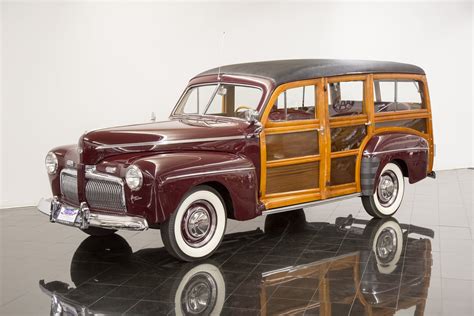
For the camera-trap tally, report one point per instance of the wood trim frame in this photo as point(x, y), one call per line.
point(288, 198)
point(322, 121)
point(423, 113)
point(384, 117)
point(366, 118)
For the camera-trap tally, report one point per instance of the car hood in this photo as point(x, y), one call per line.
point(175, 134)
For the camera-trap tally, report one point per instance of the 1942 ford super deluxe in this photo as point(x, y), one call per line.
point(247, 140)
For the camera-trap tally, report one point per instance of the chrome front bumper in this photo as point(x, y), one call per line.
point(85, 218)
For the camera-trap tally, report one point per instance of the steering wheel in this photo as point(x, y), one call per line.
point(243, 107)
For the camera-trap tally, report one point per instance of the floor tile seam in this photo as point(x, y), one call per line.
point(284, 233)
point(131, 307)
point(14, 299)
point(238, 249)
point(105, 294)
point(327, 270)
point(319, 282)
point(465, 207)
point(440, 263)
point(255, 267)
point(405, 246)
point(357, 287)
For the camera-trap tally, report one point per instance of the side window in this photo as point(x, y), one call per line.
point(295, 104)
point(346, 98)
point(247, 98)
point(398, 95)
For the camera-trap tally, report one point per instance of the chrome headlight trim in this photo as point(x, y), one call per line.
point(51, 163)
point(134, 178)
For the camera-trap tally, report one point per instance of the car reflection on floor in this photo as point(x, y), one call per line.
point(288, 266)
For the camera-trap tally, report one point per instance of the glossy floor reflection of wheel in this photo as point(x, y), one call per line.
point(201, 291)
point(387, 244)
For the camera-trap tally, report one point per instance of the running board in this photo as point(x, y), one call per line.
point(309, 204)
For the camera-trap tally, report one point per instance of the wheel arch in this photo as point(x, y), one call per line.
point(225, 195)
point(407, 148)
point(234, 177)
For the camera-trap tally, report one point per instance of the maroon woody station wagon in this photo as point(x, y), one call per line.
point(247, 140)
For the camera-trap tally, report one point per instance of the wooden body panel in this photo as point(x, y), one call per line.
point(338, 143)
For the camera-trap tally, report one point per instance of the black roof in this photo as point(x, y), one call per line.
point(281, 71)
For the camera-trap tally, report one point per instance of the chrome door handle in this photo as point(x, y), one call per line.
point(320, 129)
point(368, 123)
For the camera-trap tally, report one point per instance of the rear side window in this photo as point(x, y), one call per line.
point(398, 95)
point(346, 98)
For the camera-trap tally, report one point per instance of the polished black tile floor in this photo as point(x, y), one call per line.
point(332, 259)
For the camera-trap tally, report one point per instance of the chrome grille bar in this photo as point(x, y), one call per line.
point(103, 191)
point(69, 185)
point(105, 195)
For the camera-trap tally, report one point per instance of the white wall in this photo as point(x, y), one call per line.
point(70, 67)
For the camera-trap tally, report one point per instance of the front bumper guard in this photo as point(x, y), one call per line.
point(85, 218)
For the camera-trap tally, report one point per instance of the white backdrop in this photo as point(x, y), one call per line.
point(70, 67)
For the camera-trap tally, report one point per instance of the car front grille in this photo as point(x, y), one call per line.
point(69, 186)
point(101, 193)
point(105, 195)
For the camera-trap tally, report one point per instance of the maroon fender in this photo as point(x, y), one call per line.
point(170, 175)
point(408, 150)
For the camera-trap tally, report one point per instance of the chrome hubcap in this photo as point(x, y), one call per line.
point(388, 188)
point(199, 223)
point(199, 295)
point(386, 245)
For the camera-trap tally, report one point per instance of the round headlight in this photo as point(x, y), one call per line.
point(51, 163)
point(134, 178)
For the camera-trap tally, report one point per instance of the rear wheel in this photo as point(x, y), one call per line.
point(388, 195)
point(195, 230)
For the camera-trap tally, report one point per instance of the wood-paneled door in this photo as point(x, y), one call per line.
point(349, 123)
point(293, 143)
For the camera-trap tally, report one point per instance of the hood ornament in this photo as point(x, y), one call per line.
point(153, 117)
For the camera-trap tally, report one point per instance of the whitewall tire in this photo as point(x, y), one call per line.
point(195, 230)
point(388, 194)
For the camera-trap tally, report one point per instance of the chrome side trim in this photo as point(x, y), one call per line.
point(208, 172)
point(170, 142)
point(309, 204)
point(395, 150)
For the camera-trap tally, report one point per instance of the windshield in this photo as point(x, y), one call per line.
point(220, 99)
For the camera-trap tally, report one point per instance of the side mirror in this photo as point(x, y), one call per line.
point(251, 116)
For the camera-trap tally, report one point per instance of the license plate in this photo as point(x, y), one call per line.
point(67, 215)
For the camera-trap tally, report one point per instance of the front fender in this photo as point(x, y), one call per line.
point(233, 176)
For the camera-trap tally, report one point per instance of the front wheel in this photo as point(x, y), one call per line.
point(389, 193)
point(196, 228)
